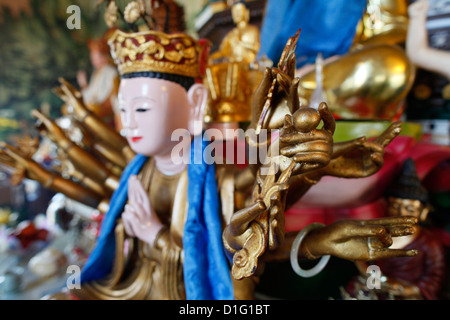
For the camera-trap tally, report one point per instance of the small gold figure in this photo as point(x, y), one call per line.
point(233, 72)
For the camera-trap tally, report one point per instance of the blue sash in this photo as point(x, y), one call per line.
point(206, 269)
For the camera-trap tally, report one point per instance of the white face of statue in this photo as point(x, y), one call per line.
point(151, 109)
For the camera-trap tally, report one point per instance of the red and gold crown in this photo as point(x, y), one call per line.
point(154, 51)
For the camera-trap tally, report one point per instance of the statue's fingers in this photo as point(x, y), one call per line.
point(132, 193)
point(60, 93)
point(260, 94)
point(377, 159)
point(375, 234)
point(13, 153)
point(375, 244)
point(329, 124)
point(127, 223)
point(309, 147)
point(294, 101)
point(389, 134)
point(400, 231)
point(373, 147)
point(5, 159)
point(241, 219)
point(41, 117)
point(290, 136)
point(390, 221)
point(141, 194)
point(67, 87)
point(312, 158)
point(392, 253)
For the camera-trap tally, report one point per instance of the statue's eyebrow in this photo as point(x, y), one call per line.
point(143, 97)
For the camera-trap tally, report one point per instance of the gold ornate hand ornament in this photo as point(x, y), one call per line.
point(72, 97)
point(76, 132)
point(81, 159)
point(67, 170)
point(365, 240)
point(303, 148)
point(302, 142)
point(27, 167)
point(242, 43)
point(259, 227)
point(360, 157)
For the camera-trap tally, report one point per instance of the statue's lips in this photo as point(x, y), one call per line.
point(136, 139)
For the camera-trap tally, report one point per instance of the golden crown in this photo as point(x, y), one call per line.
point(154, 51)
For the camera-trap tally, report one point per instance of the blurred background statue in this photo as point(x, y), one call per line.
point(422, 276)
point(100, 92)
point(233, 72)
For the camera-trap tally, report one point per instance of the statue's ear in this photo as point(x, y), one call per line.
point(197, 97)
point(424, 213)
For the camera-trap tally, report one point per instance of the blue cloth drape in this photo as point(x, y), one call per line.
point(206, 270)
point(328, 27)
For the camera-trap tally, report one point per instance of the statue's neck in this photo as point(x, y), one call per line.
point(242, 25)
point(166, 165)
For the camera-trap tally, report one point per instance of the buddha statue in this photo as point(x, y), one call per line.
point(233, 72)
point(100, 92)
point(422, 276)
point(241, 44)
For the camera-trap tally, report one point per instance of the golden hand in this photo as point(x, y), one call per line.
point(55, 133)
point(12, 157)
point(84, 161)
point(302, 142)
point(72, 97)
point(32, 170)
point(360, 157)
point(365, 240)
point(95, 125)
point(260, 96)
